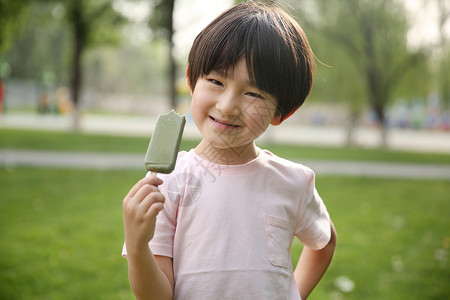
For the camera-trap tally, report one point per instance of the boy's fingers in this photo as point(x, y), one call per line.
point(152, 199)
point(154, 209)
point(153, 180)
point(147, 190)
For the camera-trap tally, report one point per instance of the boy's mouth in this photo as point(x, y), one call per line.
point(223, 123)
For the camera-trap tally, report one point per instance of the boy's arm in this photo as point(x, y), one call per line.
point(312, 265)
point(150, 277)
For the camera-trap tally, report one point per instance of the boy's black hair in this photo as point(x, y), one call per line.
point(278, 56)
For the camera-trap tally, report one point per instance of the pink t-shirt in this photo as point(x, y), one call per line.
point(229, 228)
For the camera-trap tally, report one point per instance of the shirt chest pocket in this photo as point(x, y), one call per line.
point(278, 240)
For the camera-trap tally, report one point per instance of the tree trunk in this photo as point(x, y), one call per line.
point(351, 125)
point(172, 76)
point(172, 62)
point(379, 111)
point(79, 34)
point(374, 77)
point(76, 83)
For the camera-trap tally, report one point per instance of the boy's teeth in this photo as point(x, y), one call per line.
point(228, 124)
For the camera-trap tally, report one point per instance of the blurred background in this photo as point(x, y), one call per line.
point(81, 85)
point(382, 65)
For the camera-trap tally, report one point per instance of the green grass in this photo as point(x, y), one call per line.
point(61, 236)
point(61, 230)
point(393, 238)
point(44, 140)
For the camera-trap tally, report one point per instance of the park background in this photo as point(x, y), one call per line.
point(71, 69)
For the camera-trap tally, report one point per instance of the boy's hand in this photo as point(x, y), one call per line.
point(140, 207)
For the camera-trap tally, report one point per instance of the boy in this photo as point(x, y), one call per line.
point(229, 211)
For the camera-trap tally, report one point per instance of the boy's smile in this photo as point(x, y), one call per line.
point(223, 124)
point(231, 112)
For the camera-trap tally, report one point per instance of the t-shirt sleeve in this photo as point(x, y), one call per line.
point(313, 224)
point(162, 242)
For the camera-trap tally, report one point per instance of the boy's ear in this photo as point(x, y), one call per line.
point(277, 120)
point(187, 79)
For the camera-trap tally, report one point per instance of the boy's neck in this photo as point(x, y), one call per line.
point(227, 156)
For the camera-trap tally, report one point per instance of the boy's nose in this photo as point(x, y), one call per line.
point(228, 104)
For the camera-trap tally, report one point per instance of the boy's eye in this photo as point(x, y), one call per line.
point(216, 82)
point(254, 95)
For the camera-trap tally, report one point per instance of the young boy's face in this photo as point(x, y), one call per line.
point(229, 110)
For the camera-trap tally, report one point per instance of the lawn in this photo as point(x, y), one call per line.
point(44, 140)
point(61, 236)
point(393, 238)
point(61, 230)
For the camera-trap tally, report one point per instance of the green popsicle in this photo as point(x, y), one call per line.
point(164, 144)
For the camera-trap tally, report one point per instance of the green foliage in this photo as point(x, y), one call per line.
point(44, 46)
point(98, 20)
point(126, 69)
point(365, 44)
point(39, 39)
point(12, 15)
point(47, 41)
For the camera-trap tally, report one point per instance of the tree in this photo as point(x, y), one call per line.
point(373, 35)
point(12, 16)
point(337, 81)
point(91, 23)
point(161, 22)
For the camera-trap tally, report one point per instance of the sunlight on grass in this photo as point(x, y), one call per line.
point(388, 234)
point(61, 236)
